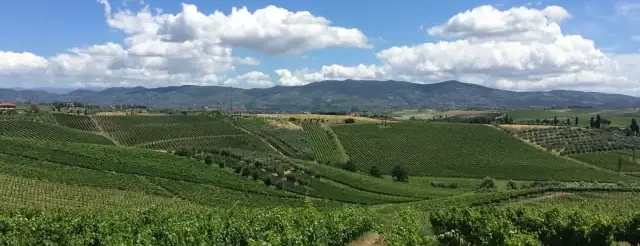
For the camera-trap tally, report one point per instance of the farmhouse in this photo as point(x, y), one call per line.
point(7, 106)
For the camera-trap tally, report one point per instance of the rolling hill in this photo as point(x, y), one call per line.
point(332, 95)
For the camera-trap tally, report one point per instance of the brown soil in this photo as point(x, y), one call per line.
point(523, 127)
point(370, 239)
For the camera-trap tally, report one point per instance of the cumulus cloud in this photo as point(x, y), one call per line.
point(519, 48)
point(189, 47)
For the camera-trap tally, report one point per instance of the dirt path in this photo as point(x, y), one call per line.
point(546, 196)
point(259, 137)
point(102, 132)
point(369, 239)
point(187, 138)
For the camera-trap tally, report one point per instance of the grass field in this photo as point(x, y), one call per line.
point(138, 130)
point(48, 132)
point(457, 150)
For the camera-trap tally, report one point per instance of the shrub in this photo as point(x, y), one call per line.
point(349, 121)
point(208, 160)
point(444, 185)
point(268, 181)
point(512, 184)
point(280, 185)
point(245, 172)
point(399, 174)
point(487, 183)
point(255, 175)
point(349, 166)
point(291, 177)
point(375, 172)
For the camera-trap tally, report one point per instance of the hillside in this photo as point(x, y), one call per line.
point(333, 95)
point(457, 150)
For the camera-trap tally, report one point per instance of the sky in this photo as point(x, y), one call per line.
point(590, 45)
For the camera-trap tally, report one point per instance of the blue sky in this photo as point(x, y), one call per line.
point(46, 29)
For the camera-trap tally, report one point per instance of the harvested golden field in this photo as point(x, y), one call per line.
point(328, 118)
point(523, 127)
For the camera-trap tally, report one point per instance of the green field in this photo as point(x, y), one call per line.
point(618, 118)
point(457, 150)
point(291, 142)
point(48, 132)
point(324, 144)
point(80, 122)
point(201, 180)
point(575, 140)
point(139, 130)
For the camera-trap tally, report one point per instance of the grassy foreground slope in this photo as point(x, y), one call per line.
point(48, 132)
point(139, 130)
point(458, 150)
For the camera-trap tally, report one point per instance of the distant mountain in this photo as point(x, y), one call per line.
point(333, 96)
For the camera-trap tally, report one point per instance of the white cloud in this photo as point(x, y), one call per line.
point(183, 48)
point(518, 48)
point(330, 72)
point(270, 30)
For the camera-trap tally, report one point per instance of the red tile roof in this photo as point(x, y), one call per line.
point(7, 104)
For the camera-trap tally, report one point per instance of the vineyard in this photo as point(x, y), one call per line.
point(80, 122)
point(610, 160)
point(138, 130)
point(47, 132)
point(44, 117)
point(291, 142)
point(324, 144)
point(574, 140)
point(242, 141)
point(19, 193)
point(457, 150)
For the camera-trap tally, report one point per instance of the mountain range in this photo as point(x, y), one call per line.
point(347, 95)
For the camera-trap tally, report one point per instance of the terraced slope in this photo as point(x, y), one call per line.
point(80, 122)
point(48, 132)
point(457, 150)
point(140, 130)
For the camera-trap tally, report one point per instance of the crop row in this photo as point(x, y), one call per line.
point(231, 226)
point(136, 130)
point(571, 140)
point(44, 117)
point(291, 142)
point(610, 160)
point(243, 141)
point(80, 122)
point(19, 192)
point(457, 150)
point(523, 226)
point(42, 131)
point(324, 144)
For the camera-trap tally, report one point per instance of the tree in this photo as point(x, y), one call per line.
point(576, 121)
point(375, 172)
point(399, 174)
point(35, 108)
point(598, 121)
point(349, 166)
point(512, 185)
point(568, 122)
point(349, 121)
point(634, 126)
point(555, 120)
point(619, 164)
point(208, 160)
point(592, 123)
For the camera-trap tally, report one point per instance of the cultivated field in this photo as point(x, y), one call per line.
point(457, 150)
point(204, 180)
point(327, 118)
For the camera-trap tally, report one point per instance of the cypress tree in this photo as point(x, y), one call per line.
point(576, 121)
